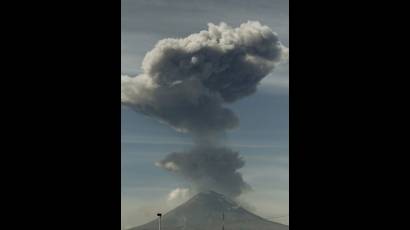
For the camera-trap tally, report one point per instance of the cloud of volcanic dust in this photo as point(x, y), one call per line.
point(186, 84)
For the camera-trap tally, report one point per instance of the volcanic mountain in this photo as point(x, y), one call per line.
point(206, 210)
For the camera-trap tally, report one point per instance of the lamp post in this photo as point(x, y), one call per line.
point(223, 221)
point(159, 222)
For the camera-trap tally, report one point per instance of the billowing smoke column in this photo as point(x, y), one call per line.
point(209, 168)
point(186, 83)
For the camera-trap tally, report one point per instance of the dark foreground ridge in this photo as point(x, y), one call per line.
point(204, 212)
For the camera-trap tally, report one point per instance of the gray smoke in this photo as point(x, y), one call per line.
point(209, 168)
point(186, 83)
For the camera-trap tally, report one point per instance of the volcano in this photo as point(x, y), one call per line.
point(211, 211)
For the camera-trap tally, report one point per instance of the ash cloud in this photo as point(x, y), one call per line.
point(186, 83)
point(179, 194)
point(209, 168)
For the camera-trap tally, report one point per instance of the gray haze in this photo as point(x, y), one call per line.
point(187, 82)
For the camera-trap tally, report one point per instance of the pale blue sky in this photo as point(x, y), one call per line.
point(262, 138)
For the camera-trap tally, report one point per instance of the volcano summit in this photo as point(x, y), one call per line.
point(205, 211)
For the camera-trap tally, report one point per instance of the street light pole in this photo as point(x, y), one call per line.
point(159, 223)
point(223, 221)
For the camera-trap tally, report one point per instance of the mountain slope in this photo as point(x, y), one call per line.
point(204, 212)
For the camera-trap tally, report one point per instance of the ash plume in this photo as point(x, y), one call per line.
point(208, 168)
point(186, 83)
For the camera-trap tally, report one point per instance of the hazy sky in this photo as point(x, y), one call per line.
point(262, 138)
